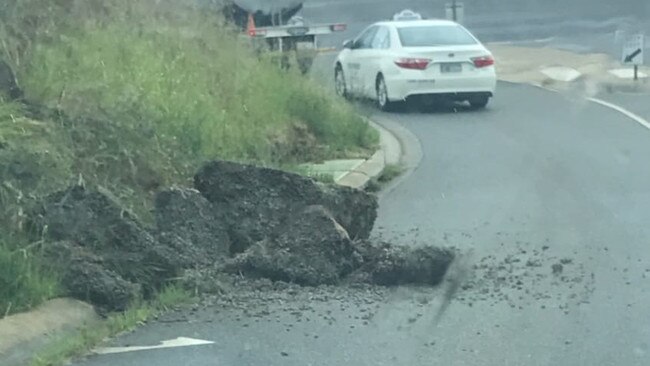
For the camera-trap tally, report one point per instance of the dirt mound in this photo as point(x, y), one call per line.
point(244, 220)
point(186, 222)
point(390, 265)
point(312, 250)
point(258, 202)
point(93, 222)
point(86, 277)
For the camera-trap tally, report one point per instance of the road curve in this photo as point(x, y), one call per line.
point(537, 177)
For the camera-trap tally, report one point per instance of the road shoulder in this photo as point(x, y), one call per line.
point(21, 335)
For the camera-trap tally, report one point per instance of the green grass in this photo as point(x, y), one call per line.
point(194, 82)
point(23, 281)
point(391, 171)
point(321, 177)
point(144, 93)
point(61, 350)
point(149, 93)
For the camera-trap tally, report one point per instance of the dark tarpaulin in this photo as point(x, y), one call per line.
point(265, 12)
point(267, 6)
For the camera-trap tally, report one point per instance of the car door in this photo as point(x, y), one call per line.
point(370, 60)
point(357, 54)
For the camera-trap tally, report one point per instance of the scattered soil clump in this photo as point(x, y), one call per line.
point(390, 265)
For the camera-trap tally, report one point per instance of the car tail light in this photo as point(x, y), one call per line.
point(338, 27)
point(413, 63)
point(483, 61)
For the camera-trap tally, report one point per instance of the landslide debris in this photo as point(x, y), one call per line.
point(262, 200)
point(312, 250)
point(186, 221)
point(390, 265)
point(88, 276)
point(94, 221)
point(239, 220)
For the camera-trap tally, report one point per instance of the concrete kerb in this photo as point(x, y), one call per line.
point(23, 334)
point(389, 152)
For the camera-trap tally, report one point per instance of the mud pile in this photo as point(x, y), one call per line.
point(258, 203)
point(389, 265)
point(105, 255)
point(313, 250)
point(240, 220)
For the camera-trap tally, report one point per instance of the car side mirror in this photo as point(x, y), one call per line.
point(349, 44)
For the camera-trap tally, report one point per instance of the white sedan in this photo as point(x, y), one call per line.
point(393, 61)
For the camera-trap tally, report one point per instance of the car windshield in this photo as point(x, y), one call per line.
point(434, 35)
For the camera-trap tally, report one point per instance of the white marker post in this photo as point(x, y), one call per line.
point(455, 11)
point(633, 49)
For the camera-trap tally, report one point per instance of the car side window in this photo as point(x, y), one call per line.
point(365, 39)
point(381, 39)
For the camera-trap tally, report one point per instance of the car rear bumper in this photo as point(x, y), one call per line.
point(402, 87)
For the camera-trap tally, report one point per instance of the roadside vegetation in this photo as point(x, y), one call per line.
point(131, 96)
point(74, 345)
point(390, 173)
point(24, 281)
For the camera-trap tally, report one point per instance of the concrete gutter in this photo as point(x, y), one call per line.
point(389, 152)
point(24, 334)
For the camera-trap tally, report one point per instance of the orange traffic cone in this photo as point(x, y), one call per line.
point(251, 26)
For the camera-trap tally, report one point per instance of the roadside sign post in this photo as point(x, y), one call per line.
point(455, 11)
point(633, 52)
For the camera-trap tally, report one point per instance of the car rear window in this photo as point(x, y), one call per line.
point(434, 35)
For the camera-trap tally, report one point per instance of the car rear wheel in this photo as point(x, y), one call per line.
point(383, 103)
point(339, 83)
point(479, 102)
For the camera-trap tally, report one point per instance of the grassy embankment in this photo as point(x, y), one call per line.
point(133, 97)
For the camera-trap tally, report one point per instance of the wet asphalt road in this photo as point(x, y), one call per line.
point(538, 183)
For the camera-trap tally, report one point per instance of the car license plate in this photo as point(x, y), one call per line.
point(451, 67)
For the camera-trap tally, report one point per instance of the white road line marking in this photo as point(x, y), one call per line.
point(622, 110)
point(178, 342)
point(635, 117)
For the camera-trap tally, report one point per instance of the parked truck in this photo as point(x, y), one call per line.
point(276, 26)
